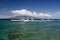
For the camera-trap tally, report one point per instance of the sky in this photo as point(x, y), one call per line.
point(51, 7)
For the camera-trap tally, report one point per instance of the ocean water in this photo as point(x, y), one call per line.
point(10, 30)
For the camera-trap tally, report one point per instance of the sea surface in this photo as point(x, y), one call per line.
point(35, 30)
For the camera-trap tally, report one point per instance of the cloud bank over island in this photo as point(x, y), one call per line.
point(25, 12)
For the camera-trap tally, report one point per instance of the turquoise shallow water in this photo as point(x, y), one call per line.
point(29, 30)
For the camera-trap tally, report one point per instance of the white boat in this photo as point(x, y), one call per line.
point(26, 20)
point(20, 20)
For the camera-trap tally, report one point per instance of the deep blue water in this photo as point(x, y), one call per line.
point(38, 30)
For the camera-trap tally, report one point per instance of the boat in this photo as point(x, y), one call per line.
point(22, 20)
point(27, 20)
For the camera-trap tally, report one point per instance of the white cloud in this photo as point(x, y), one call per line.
point(29, 13)
point(33, 14)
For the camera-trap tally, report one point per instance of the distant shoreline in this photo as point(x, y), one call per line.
point(34, 19)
